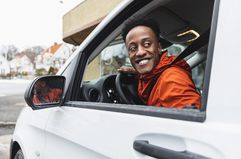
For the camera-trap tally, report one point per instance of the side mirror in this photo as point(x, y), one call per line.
point(45, 91)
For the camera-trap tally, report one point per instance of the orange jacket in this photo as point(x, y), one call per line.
point(172, 88)
point(53, 95)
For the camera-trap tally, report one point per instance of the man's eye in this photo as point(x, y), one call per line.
point(132, 48)
point(147, 44)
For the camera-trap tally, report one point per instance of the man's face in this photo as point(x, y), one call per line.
point(143, 49)
point(41, 88)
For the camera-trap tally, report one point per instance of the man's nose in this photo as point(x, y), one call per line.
point(141, 51)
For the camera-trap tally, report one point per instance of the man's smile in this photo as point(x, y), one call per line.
point(142, 61)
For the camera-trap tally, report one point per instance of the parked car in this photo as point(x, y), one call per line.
point(98, 114)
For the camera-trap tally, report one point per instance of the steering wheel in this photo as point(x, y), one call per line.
point(127, 88)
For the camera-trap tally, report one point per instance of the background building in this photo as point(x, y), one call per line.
point(81, 20)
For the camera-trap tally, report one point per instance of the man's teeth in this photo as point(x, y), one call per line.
point(143, 62)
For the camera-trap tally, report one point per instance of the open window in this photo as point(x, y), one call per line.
point(181, 23)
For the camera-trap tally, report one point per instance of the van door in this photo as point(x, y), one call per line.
point(94, 122)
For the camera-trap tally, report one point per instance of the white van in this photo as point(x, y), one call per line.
point(98, 114)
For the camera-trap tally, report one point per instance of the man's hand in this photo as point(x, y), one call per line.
point(127, 69)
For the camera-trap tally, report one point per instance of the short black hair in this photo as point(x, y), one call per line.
point(150, 23)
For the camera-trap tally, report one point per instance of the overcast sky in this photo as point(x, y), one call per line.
point(32, 22)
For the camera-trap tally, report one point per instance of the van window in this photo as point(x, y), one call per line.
point(180, 23)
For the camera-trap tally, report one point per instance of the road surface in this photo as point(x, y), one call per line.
point(11, 103)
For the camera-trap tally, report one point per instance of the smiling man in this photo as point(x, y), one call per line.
point(158, 85)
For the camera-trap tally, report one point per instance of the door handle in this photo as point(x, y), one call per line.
point(144, 147)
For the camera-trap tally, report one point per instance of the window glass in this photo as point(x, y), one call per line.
point(108, 61)
point(198, 76)
point(112, 58)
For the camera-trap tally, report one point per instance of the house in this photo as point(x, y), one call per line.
point(43, 60)
point(54, 56)
point(22, 64)
point(61, 55)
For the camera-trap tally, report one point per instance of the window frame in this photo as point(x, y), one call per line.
point(180, 114)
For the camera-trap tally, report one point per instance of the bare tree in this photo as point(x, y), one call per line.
point(8, 51)
point(32, 52)
point(37, 49)
point(12, 50)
